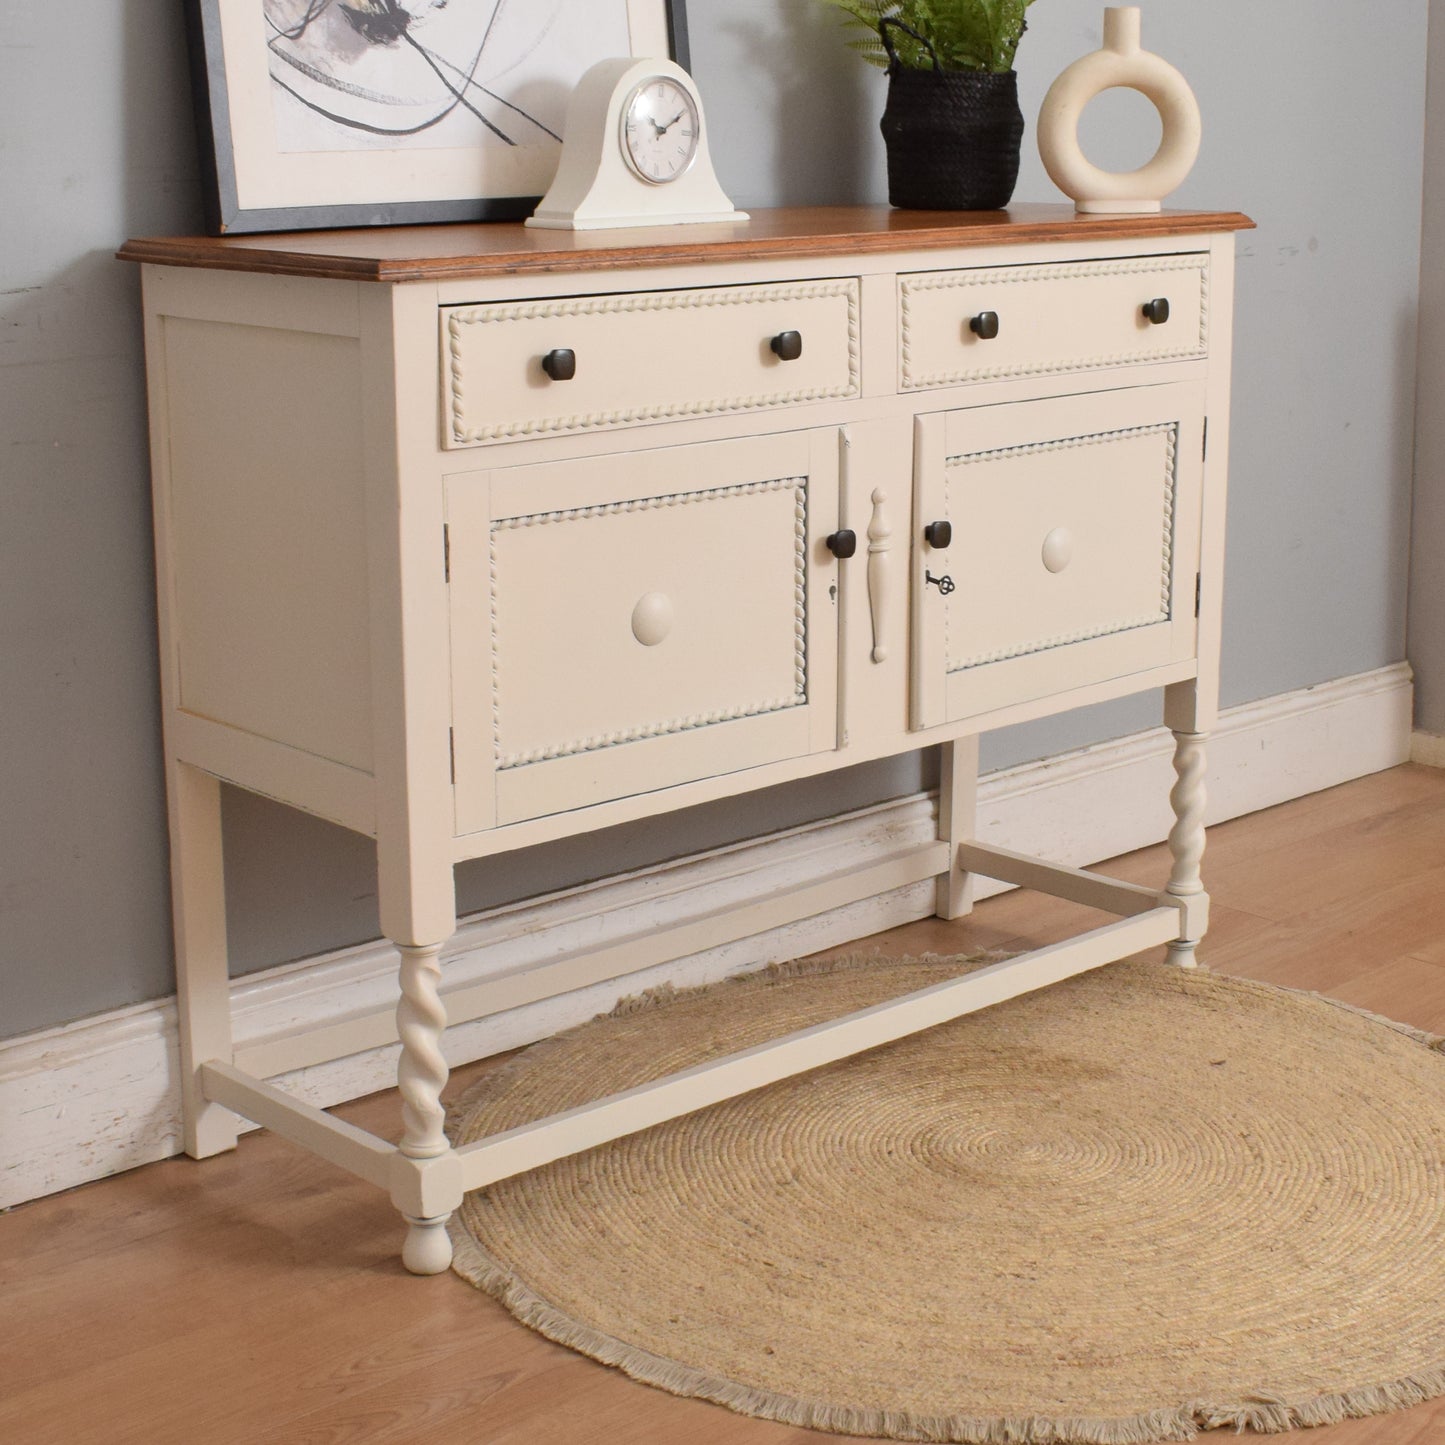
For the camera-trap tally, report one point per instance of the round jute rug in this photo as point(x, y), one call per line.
point(1136, 1205)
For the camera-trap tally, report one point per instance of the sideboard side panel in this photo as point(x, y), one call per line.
point(263, 494)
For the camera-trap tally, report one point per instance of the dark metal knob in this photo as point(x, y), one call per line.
point(843, 544)
point(787, 345)
point(984, 325)
point(1157, 310)
point(560, 365)
point(938, 534)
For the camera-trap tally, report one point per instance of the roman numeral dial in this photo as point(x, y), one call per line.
point(660, 129)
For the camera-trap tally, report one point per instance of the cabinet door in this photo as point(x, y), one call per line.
point(1074, 548)
point(628, 622)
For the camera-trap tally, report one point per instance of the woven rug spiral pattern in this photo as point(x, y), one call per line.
point(1134, 1206)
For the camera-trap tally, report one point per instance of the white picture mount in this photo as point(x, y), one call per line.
point(596, 189)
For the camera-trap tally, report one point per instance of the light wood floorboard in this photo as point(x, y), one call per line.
point(256, 1297)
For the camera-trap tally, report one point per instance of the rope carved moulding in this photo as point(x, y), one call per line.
point(650, 620)
point(464, 387)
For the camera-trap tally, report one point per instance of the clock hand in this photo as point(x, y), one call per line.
point(663, 129)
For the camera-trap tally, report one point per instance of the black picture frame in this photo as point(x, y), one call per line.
point(227, 210)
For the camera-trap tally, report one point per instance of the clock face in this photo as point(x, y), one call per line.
point(660, 128)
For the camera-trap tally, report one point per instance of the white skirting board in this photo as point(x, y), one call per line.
point(1428, 748)
point(102, 1095)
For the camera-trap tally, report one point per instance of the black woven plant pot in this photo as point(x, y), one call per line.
point(953, 138)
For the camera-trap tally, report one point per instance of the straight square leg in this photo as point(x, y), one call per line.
point(203, 985)
point(957, 822)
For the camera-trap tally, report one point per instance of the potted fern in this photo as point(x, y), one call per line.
point(952, 124)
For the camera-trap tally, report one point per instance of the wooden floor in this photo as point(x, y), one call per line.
point(256, 1297)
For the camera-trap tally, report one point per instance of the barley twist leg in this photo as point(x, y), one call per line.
point(1186, 837)
point(421, 1076)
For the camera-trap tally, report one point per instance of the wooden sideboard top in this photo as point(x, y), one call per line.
point(459, 251)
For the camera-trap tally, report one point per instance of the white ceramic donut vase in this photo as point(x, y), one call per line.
point(1121, 63)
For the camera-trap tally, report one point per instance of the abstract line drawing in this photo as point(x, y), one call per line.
point(367, 74)
point(389, 112)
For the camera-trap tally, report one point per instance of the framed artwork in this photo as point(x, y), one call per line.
point(378, 112)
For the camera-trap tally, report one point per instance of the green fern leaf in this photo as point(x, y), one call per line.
point(963, 34)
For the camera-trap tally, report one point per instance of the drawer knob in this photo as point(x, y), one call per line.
point(938, 534)
point(1157, 310)
point(652, 618)
point(787, 345)
point(1058, 549)
point(561, 364)
point(843, 543)
point(984, 325)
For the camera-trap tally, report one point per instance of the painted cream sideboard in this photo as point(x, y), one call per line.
point(470, 538)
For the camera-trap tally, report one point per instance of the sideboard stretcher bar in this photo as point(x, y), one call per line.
point(471, 538)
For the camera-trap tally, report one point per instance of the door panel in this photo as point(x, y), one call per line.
point(1074, 548)
point(626, 623)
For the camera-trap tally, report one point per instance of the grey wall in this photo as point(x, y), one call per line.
point(1427, 565)
point(1315, 134)
point(95, 142)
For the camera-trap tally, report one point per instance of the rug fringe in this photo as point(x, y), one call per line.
point(665, 993)
point(1265, 1414)
point(1409, 1031)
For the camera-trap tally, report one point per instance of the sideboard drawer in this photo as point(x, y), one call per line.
point(626, 623)
point(647, 357)
point(1057, 317)
point(1074, 548)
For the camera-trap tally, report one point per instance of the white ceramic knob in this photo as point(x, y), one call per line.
point(1121, 63)
point(652, 618)
point(1058, 549)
